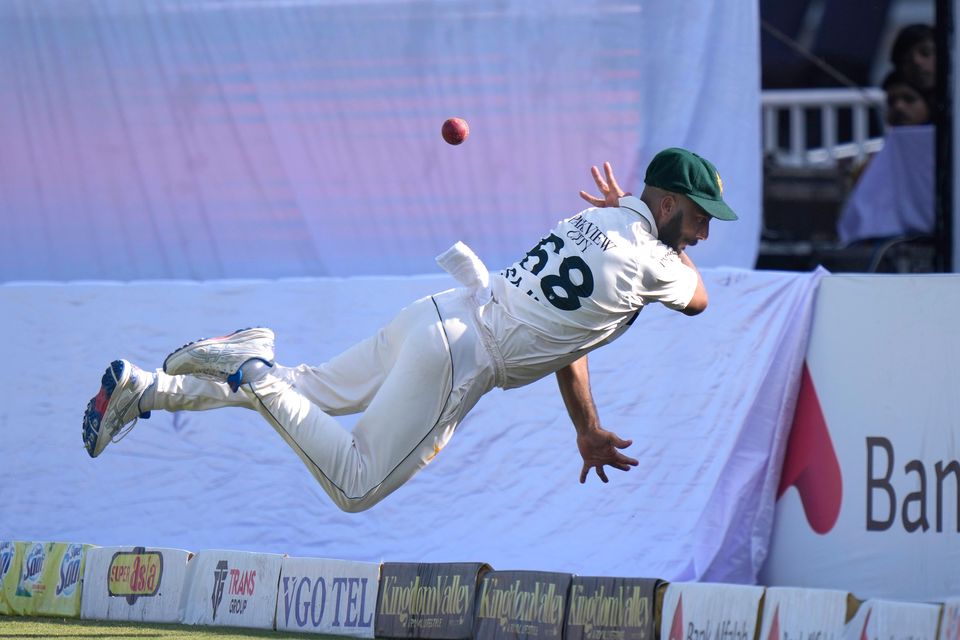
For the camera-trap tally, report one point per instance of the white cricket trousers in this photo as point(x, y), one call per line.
point(414, 380)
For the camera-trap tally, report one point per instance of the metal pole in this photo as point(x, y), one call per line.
point(943, 118)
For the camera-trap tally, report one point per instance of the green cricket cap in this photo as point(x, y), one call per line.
point(682, 171)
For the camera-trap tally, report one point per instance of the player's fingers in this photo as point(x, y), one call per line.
point(595, 201)
point(601, 183)
point(620, 465)
point(611, 180)
point(620, 443)
point(584, 472)
point(602, 473)
point(622, 459)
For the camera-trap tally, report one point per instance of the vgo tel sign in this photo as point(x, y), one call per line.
point(328, 596)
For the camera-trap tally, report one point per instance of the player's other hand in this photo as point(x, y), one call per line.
point(609, 189)
point(599, 447)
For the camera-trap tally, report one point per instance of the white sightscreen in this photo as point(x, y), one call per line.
point(204, 139)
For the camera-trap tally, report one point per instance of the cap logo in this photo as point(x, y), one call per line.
point(719, 181)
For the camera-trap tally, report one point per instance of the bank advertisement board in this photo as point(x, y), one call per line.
point(950, 620)
point(889, 620)
point(815, 614)
point(870, 486)
point(706, 611)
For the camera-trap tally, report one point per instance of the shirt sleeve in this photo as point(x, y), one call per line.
point(667, 280)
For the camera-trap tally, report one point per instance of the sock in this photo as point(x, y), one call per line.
point(148, 397)
point(250, 371)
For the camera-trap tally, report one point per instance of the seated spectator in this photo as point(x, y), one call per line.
point(906, 102)
point(906, 106)
point(889, 208)
point(914, 53)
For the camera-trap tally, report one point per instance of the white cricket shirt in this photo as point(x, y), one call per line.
point(580, 287)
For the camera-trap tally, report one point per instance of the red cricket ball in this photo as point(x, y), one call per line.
point(455, 130)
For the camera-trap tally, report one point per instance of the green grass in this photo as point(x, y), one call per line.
point(35, 628)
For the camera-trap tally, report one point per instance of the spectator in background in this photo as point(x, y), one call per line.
point(888, 207)
point(910, 87)
point(914, 54)
point(907, 104)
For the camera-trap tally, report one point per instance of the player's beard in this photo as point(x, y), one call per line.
point(671, 230)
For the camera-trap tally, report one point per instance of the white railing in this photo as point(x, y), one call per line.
point(832, 104)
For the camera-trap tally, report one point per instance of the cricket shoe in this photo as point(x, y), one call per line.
point(221, 358)
point(116, 406)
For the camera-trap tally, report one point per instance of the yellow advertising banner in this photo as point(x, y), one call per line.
point(41, 578)
point(11, 555)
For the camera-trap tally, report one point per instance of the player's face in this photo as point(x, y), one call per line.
point(686, 223)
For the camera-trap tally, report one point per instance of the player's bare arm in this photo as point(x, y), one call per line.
point(700, 299)
point(609, 189)
point(598, 447)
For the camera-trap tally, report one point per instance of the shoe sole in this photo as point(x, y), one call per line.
point(170, 364)
point(99, 404)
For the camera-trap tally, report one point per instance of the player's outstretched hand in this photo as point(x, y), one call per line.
point(610, 190)
point(599, 447)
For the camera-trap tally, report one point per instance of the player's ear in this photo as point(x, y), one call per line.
point(667, 204)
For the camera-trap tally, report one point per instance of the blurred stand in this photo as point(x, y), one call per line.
point(816, 141)
point(864, 205)
point(824, 128)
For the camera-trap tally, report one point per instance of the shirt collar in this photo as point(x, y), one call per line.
point(635, 204)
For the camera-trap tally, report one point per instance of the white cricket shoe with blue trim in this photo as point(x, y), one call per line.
point(221, 358)
point(116, 406)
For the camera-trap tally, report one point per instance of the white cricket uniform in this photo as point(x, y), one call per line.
point(581, 287)
point(577, 289)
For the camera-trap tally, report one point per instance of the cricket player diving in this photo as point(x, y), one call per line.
point(579, 287)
